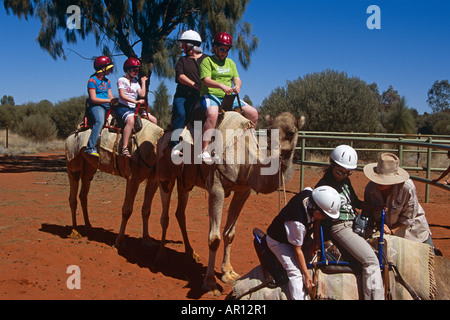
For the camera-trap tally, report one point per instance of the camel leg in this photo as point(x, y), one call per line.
point(183, 197)
point(87, 174)
point(236, 205)
point(216, 199)
point(127, 208)
point(150, 190)
point(165, 191)
point(74, 181)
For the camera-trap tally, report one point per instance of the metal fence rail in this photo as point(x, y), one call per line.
point(424, 144)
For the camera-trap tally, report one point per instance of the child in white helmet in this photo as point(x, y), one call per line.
point(343, 160)
point(188, 83)
point(286, 234)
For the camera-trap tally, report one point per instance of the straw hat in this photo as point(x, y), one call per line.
point(386, 171)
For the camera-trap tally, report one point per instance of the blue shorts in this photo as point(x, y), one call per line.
point(208, 100)
point(122, 112)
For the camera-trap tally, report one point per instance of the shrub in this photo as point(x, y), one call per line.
point(68, 114)
point(37, 128)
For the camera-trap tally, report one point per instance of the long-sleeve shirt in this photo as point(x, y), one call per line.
point(402, 206)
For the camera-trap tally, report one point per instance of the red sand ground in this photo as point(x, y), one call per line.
point(35, 251)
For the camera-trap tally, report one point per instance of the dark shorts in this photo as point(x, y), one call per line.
point(122, 112)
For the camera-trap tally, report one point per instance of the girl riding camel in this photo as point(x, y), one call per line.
point(218, 73)
point(100, 98)
point(129, 93)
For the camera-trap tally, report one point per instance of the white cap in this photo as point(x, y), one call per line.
point(345, 156)
point(328, 199)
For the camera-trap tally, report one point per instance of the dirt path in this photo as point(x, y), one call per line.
point(35, 251)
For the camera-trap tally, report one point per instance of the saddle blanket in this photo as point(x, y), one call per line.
point(231, 121)
point(150, 132)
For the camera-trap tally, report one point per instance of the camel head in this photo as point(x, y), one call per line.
point(288, 127)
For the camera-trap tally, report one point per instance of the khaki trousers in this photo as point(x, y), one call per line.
point(363, 252)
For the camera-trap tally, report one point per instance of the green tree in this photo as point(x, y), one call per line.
point(7, 100)
point(7, 116)
point(146, 29)
point(439, 96)
point(161, 106)
point(330, 101)
point(400, 119)
point(389, 98)
point(434, 123)
point(68, 114)
point(43, 107)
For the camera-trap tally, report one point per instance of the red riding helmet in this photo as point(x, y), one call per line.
point(102, 63)
point(131, 63)
point(223, 38)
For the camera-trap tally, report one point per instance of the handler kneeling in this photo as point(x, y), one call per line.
point(286, 234)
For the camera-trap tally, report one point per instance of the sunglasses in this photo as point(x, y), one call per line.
point(224, 50)
point(342, 173)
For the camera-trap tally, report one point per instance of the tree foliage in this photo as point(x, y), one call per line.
point(7, 100)
point(435, 123)
point(146, 29)
point(330, 100)
point(400, 118)
point(439, 96)
point(389, 98)
point(161, 106)
point(68, 114)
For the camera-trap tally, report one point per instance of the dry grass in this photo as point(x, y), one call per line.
point(18, 145)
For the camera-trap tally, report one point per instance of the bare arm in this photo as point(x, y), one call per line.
point(446, 172)
point(124, 97)
point(210, 83)
point(303, 268)
point(141, 92)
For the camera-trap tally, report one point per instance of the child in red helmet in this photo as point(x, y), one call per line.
point(129, 92)
point(100, 98)
point(218, 74)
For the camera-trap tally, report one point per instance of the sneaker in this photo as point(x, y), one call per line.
point(92, 153)
point(206, 157)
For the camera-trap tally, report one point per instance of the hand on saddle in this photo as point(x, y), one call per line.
point(387, 230)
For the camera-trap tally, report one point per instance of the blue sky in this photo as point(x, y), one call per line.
point(410, 51)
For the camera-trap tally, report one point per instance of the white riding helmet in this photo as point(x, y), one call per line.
point(191, 36)
point(328, 199)
point(345, 156)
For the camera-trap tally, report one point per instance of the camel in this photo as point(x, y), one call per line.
point(142, 166)
point(241, 178)
point(186, 175)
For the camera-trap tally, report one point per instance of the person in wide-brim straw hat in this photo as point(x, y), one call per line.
point(386, 171)
point(391, 188)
